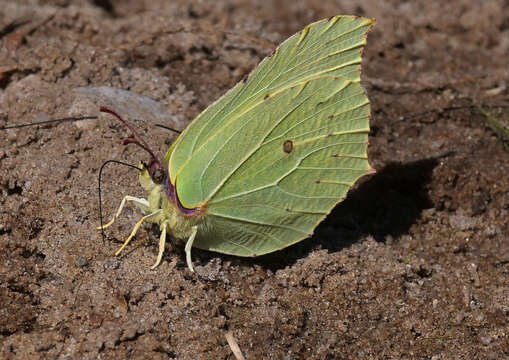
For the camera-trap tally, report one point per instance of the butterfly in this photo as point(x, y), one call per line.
point(263, 165)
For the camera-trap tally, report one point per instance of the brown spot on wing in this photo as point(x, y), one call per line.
point(288, 146)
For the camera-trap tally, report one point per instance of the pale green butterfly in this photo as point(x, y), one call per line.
point(262, 166)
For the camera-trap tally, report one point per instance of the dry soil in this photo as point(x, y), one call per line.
point(413, 265)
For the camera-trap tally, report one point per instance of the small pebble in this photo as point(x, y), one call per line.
point(486, 340)
point(461, 222)
point(81, 261)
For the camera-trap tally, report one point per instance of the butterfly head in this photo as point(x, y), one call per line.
point(156, 171)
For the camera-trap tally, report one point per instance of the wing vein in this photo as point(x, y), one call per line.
point(250, 221)
point(257, 147)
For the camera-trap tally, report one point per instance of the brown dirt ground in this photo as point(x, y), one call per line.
point(413, 265)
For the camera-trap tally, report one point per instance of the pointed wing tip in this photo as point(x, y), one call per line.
point(369, 21)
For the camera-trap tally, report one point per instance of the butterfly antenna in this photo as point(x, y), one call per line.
point(168, 128)
point(136, 139)
point(100, 197)
point(40, 123)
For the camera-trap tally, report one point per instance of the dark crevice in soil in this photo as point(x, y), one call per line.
point(15, 190)
point(106, 5)
point(170, 354)
point(129, 339)
point(46, 348)
point(162, 63)
point(12, 26)
point(5, 77)
point(5, 332)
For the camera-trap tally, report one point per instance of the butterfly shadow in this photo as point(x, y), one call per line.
point(383, 205)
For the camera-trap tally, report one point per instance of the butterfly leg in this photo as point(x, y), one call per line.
point(162, 242)
point(189, 245)
point(136, 227)
point(139, 201)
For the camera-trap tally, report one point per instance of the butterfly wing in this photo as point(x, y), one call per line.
point(272, 157)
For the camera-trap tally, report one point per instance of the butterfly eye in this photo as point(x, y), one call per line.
point(158, 176)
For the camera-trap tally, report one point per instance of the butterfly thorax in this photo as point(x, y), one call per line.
point(177, 223)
